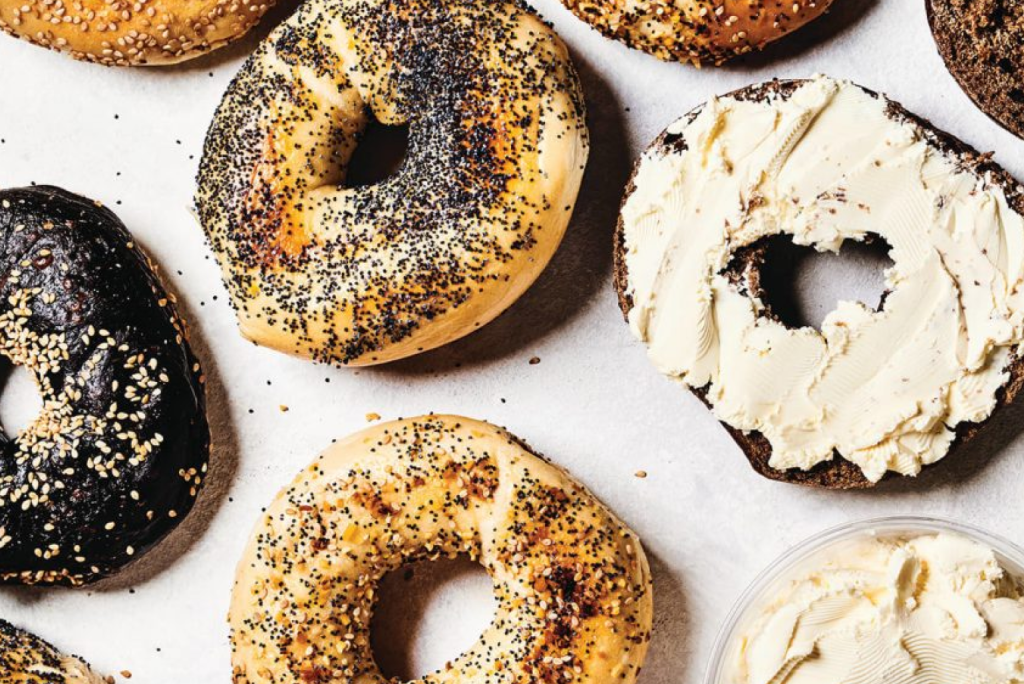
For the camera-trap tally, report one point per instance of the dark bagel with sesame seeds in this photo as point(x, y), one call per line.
point(27, 659)
point(366, 275)
point(119, 450)
point(131, 32)
point(572, 583)
point(697, 31)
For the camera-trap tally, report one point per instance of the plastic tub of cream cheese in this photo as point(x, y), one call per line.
point(882, 601)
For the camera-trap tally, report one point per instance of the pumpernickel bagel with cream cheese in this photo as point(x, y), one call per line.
point(27, 659)
point(697, 31)
point(874, 392)
point(366, 275)
point(129, 32)
point(572, 583)
point(119, 450)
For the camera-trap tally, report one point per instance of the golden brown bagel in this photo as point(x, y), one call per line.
point(697, 31)
point(131, 32)
point(27, 659)
point(497, 146)
point(572, 583)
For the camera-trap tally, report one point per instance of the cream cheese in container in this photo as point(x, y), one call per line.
point(888, 601)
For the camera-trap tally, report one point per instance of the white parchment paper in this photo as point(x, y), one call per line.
point(132, 138)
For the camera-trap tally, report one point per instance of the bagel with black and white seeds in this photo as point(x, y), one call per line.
point(129, 32)
point(366, 275)
point(571, 581)
point(873, 392)
point(118, 453)
point(27, 659)
point(697, 31)
point(980, 42)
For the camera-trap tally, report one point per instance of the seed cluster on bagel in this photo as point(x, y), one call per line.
point(497, 146)
point(27, 659)
point(119, 451)
point(697, 31)
point(131, 32)
point(952, 364)
point(572, 583)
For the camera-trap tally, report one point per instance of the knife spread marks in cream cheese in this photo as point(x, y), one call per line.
point(930, 609)
point(826, 164)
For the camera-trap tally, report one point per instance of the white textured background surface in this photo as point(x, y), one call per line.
point(132, 138)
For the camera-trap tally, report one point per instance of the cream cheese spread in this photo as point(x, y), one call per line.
point(826, 164)
point(930, 609)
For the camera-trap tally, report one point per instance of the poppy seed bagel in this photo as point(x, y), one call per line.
point(367, 275)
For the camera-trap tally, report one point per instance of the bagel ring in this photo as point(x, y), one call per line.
point(27, 659)
point(697, 31)
point(572, 583)
point(118, 452)
point(129, 32)
point(497, 146)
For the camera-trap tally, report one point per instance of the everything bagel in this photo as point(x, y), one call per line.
point(697, 31)
point(572, 583)
point(129, 32)
point(497, 147)
point(27, 659)
point(119, 450)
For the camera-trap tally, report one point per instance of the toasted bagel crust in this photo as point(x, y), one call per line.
point(697, 31)
point(27, 659)
point(128, 32)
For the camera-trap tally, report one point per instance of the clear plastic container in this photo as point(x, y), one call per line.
point(813, 551)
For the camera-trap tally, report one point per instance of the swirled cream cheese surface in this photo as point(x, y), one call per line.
point(825, 164)
point(931, 609)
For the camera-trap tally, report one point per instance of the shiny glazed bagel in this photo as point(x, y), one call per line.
point(364, 275)
point(119, 450)
point(697, 31)
point(27, 659)
point(131, 32)
point(572, 583)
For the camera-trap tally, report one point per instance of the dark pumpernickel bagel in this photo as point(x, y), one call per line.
point(745, 269)
point(118, 453)
point(982, 44)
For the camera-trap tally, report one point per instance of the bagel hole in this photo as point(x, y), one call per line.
point(802, 285)
point(378, 155)
point(428, 614)
point(20, 401)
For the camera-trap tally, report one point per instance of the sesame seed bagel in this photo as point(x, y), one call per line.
point(27, 659)
point(131, 32)
point(697, 31)
point(365, 275)
point(117, 454)
point(572, 583)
